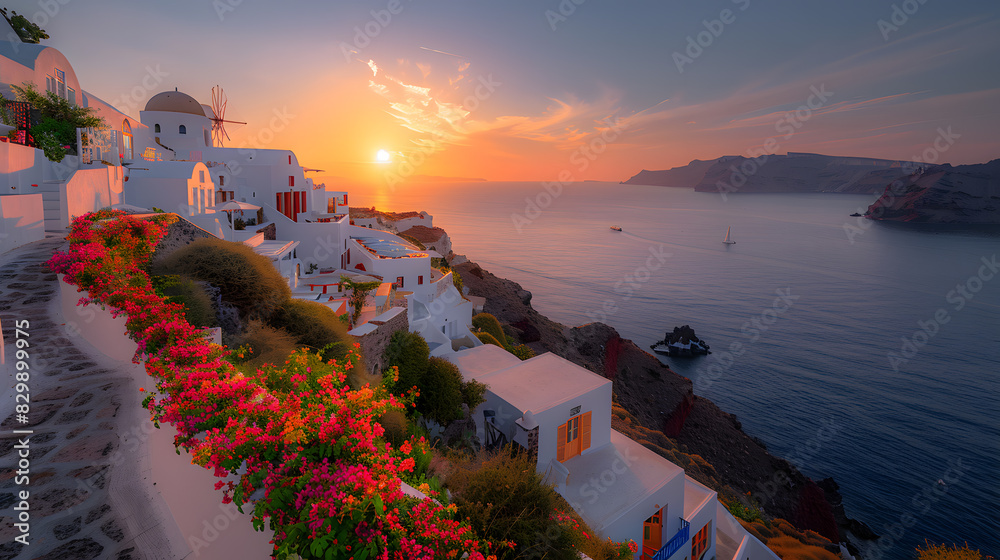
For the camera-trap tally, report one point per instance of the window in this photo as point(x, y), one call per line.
point(699, 544)
point(156, 128)
point(420, 280)
point(289, 160)
point(222, 180)
point(182, 129)
point(201, 176)
point(573, 437)
point(71, 96)
point(399, 281)
point(127, 150)
point(291, 180)
point(60, 83)
point(208, 138)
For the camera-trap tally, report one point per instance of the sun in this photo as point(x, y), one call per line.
point(382, 156)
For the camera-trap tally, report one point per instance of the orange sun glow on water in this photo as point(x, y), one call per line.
point(382, 156)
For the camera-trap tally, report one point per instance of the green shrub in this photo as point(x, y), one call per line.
point(504, 498)
point(409, 352)
point(488, 323)
point(315, 325)
point(247, 280)
point(487, 338)
point(181, 289)
point(51, 147)
point(395, 425)
point(440, 391)
point(522, 352)
point(266, 345)
point(456, 279)
point(740, 510)
point(473, 393)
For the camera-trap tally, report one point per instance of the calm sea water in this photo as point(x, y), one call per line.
point(815, 380)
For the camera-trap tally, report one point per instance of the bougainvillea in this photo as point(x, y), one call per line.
point(294, 441)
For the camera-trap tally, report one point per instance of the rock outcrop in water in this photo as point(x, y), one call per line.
point(658, 399)
point(682, 342)
point(942, 194)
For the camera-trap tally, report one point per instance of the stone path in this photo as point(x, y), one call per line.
point(87, 495)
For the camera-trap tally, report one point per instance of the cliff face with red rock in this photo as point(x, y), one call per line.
point(659, 399)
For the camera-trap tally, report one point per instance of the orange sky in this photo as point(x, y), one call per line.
point(502, 92)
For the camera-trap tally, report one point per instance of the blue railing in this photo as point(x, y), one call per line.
point(674, 544)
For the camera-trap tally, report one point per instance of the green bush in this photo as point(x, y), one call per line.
point(265, 345)
point(247, 280)
point(456, 279)
point(473, 393)
point(522, 352)
point(181, 289)
point(396, 427)
point(488, 323)
point(487, 338)
point(315, 325)
point(504, 498)
point(441, 391)
point(409, 352)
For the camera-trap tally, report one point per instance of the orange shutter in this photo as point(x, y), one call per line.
point(585, 432)
point(561, 445)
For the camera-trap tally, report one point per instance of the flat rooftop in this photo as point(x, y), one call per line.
point(388, 246)
point(274, 249)
point(542, 382)
point(696, 496)
point(537, 384)
point(639, 473)
point(474, 363)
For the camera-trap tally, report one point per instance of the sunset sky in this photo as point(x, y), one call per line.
point(525, 90)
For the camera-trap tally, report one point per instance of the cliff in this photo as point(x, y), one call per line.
point(966, 194)
point(696, 433)
point(684, 176)
point(794, 172)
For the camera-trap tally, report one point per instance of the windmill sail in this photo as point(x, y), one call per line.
point(219, 101)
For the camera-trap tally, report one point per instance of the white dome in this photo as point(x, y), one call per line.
point(175, 102)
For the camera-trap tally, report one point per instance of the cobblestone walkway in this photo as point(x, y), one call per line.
point(87, 495)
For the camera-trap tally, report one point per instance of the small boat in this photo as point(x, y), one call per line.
point(727, 241)
point(616, 228)
point(857, 215)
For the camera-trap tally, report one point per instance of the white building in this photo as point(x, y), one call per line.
point(38, 195)
point(167, 159)
point(561, 413)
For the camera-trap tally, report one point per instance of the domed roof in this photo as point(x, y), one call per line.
point(175, 102)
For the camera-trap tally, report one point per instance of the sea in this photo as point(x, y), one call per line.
point(864, 351)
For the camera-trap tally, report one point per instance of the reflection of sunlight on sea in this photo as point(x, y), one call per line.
point(822, 359)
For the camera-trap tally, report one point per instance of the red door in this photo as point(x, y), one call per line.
point(652, 534)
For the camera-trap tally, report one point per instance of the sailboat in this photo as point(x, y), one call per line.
point(727, 241)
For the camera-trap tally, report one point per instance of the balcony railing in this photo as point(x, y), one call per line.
point(674, 544)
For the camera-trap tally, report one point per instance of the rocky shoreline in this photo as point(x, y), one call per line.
point(661, 400)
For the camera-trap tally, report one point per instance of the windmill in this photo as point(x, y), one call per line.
point(219, 101)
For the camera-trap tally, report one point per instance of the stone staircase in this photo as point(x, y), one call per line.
point(52, 205)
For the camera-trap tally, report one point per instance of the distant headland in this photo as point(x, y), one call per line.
point(910, 191)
